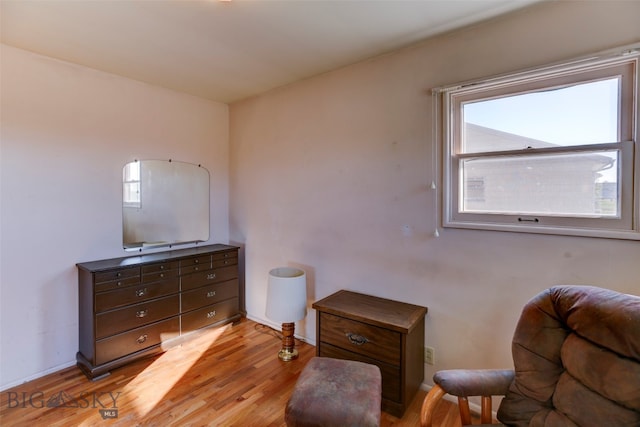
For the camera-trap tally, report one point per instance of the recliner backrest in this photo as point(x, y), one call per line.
point(576, 352)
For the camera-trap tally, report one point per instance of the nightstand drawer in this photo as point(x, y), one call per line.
point(207, 295)
point(391, 387)
point(130, 317)
point(137, 339)
point(361, 338)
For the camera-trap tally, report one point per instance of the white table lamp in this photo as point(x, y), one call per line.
point(287, 303)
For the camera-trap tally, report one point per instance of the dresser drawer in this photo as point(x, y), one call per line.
point(210, 294)
point(194, 264)
point(133, 316)
point(204, 278)
point(140, 293)
point(116, 346)
point(391, 386)
point(114, 279)
point(159, 267)
point(159, 275)
point(209, 315)
point(224, 255)
point(361, 338)
point(224, 261)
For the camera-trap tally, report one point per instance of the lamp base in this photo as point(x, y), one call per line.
point(288, 351)
point(287, 355)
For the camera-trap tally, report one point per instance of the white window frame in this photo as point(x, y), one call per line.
point(131, 179)
point(448, 104)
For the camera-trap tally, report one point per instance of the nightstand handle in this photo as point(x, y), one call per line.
point(356, 339)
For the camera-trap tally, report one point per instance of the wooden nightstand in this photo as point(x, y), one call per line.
point(389, 334)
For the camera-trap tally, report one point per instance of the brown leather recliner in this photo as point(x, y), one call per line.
point(576, 352)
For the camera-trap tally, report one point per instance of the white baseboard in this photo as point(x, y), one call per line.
point(278, 327)
point(37, 375)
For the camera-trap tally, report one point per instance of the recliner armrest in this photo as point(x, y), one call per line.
point(475, 382)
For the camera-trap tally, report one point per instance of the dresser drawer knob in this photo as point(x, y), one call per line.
point(161, 275)
point(211, 294)
point(141, 292)
point(356, 339)
point(141, 339)
point(142, 313)
point(211, 276)
point(211, 314)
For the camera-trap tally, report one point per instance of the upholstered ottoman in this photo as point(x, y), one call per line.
point(334, 392)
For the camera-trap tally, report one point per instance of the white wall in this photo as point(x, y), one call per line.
point(66, 133)
point(333, 174)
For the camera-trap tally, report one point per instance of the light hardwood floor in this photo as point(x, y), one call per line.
point(229, 376)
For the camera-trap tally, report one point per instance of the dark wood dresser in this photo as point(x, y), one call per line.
point(379, 331)
point(136, 306)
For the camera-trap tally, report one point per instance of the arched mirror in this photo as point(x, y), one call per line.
point(164, 203)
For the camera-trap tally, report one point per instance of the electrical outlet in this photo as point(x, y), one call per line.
point(429, 356)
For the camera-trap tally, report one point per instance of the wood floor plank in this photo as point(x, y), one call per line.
point(229, 376)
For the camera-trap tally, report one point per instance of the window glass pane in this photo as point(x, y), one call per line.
point(131, 185)
point(581, 184)
point(132, 172)
point(585, 113)
point(131, 193)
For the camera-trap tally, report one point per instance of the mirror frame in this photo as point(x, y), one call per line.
point(164, 203)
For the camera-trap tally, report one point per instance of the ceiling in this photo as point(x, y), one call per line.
point(230, 50)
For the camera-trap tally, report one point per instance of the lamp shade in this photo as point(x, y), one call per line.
point(287, 295)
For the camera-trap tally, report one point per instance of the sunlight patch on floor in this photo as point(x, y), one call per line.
point(149, 387)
